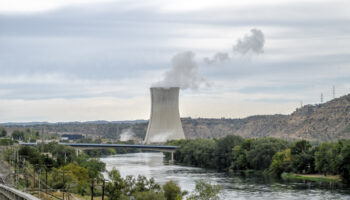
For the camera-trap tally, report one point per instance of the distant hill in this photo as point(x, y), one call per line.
point(322, 122)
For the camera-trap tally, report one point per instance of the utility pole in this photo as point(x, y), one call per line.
point(321, 97)
point(333, 92)
point(301, 104)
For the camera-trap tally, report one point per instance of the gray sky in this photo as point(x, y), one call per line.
point(65, 60)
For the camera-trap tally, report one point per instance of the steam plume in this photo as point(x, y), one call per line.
point(126, 135)
point(218, 57)
point(253, 43)
point(184, 73)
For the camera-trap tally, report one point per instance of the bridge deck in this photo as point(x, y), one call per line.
point(135, 146)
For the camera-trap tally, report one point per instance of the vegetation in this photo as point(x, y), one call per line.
point(270, 155)
point(146, 189)
point(28, 135)
point(3, 132)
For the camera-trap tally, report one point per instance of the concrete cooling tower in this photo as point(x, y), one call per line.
point(164, 123)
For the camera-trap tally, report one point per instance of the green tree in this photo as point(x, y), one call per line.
point(172, 191)
point(326, 158)
point(3, 132)
point(116, 188)
point(303, 157)
point(223, 151)
point(205, 191)
point(281, 161)
point(344, 162)
point(18, 135)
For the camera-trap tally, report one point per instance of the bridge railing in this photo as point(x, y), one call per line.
point(8, 193)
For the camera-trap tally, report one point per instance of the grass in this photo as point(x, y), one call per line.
point(311, 177)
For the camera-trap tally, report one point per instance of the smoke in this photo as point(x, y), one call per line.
point(252, 43)
point(218, 57)
point(126, 135)
point(160, 138)
point(184, 73)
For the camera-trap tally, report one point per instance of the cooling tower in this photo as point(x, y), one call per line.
point(164, 123)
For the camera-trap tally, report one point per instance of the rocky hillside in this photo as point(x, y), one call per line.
point(323, 122)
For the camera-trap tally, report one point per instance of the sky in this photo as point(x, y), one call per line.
point(84, 60)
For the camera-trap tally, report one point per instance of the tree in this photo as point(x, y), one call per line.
point(280, 162)
point(77, 174)
point(3, 132)
point(262, 150)
point(326, 160)
point(205, 191)
point(172, 191)
point(344, 162)
point(303, 157)
point(18, 135)
point(223, 151)
point(115, 189)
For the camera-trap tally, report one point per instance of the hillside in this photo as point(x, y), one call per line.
point(322, 122)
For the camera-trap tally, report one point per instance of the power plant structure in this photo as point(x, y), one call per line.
point(164, 123)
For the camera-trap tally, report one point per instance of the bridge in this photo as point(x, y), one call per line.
point(161, 148)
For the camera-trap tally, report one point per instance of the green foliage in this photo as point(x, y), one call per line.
point(76, 174)
point(27, 136)
point(3, 132)
point(205, 191)
point(93, 165)
point(344, 162)
point(280, 162)
point(18, 135)
point(256, 153)
point(5, 142)
point(303, 157)
point(149, 195)
point(223, 151)
point(198, 152)
point(326, 160)
point(172, 191)
point(118, 188)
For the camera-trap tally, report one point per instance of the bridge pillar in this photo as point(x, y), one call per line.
point(171, 161)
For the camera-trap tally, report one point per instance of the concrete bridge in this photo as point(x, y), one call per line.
point(161, 148)
point(8, 193)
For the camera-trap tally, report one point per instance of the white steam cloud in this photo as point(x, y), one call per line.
point(126, 135)
point(184, 73)
point(252, 43)
point(218, 57)
point(160, 138)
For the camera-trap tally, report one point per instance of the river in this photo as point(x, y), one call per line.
point(234, 187)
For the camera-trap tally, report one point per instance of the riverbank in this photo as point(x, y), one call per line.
point(312, 177)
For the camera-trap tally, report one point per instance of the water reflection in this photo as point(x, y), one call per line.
point(235, 187)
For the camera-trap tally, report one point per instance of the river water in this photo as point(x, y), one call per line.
point(234, 187)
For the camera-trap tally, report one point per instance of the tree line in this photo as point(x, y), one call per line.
point(61, 168)
point(271, 155)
